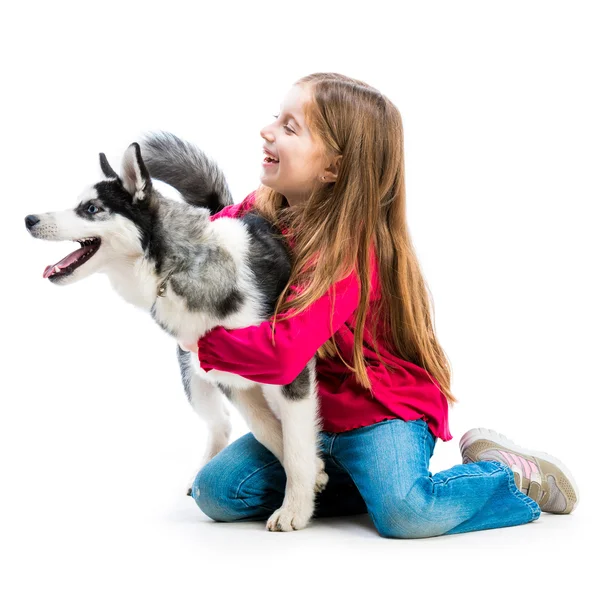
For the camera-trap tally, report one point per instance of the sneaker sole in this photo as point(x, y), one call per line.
point(481, 433)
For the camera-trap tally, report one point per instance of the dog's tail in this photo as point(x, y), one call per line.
point(185, 167)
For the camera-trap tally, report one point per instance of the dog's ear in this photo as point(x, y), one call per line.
point(106, 168)
point(134, 175)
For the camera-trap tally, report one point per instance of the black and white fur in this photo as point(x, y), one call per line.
point(191, 274)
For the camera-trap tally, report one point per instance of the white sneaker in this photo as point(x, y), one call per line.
point(541, 476)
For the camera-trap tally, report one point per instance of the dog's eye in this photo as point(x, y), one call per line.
point(92, 209)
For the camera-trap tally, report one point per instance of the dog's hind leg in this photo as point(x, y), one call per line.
point(266, 427)
point(259, 417)
point(298, 407)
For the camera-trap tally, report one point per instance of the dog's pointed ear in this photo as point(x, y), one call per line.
point(134, 175)
point(106, 168)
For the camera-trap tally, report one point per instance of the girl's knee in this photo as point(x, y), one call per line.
point(214, 494)
point(233, 488)
point(405, 520)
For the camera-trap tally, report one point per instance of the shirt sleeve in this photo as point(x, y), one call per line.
point(249, 351)
point(236, 210)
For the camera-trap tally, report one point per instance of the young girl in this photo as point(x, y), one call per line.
point(334, 185)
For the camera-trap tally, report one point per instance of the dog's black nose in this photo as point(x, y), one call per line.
point(30, 221)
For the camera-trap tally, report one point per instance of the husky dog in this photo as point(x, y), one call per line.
point(191, 274)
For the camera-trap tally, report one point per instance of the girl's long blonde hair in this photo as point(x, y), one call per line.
point(366, 204)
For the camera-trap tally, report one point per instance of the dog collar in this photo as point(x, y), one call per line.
point(162, 288)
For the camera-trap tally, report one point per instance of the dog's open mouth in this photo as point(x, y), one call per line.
point(89, 247)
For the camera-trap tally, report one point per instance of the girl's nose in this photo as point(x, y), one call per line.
point(266, 134)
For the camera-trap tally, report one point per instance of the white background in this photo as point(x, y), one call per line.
point(500, 110)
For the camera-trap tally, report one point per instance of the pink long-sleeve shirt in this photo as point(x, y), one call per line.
point(408, 393)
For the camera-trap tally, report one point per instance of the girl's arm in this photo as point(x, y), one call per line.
point(249, 352)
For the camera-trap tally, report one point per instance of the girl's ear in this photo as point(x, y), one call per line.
point(331, 171)
point(134, 175)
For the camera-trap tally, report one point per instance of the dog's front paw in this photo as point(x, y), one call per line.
point(288, 519)
point(192, 479)
point(189, 487)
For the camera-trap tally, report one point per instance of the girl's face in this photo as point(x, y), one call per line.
point(301, 164)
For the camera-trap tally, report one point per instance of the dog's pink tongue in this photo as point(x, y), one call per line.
point(65, 262)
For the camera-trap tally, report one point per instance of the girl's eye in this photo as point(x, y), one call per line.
point(286, 127)
point(92, 209)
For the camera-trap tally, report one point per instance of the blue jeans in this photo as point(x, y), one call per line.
point(381, 469)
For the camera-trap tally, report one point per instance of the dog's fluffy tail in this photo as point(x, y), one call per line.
point(185, 167)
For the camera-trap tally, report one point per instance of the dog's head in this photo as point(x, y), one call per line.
point(111, 220)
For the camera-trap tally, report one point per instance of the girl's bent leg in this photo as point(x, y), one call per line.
point(389, 462)
point(246, 482)
point(243, 482)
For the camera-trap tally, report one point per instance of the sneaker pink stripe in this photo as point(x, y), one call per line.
point(527, 466)
point(508, 457)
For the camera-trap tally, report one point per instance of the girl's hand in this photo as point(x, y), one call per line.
point(188, 346)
